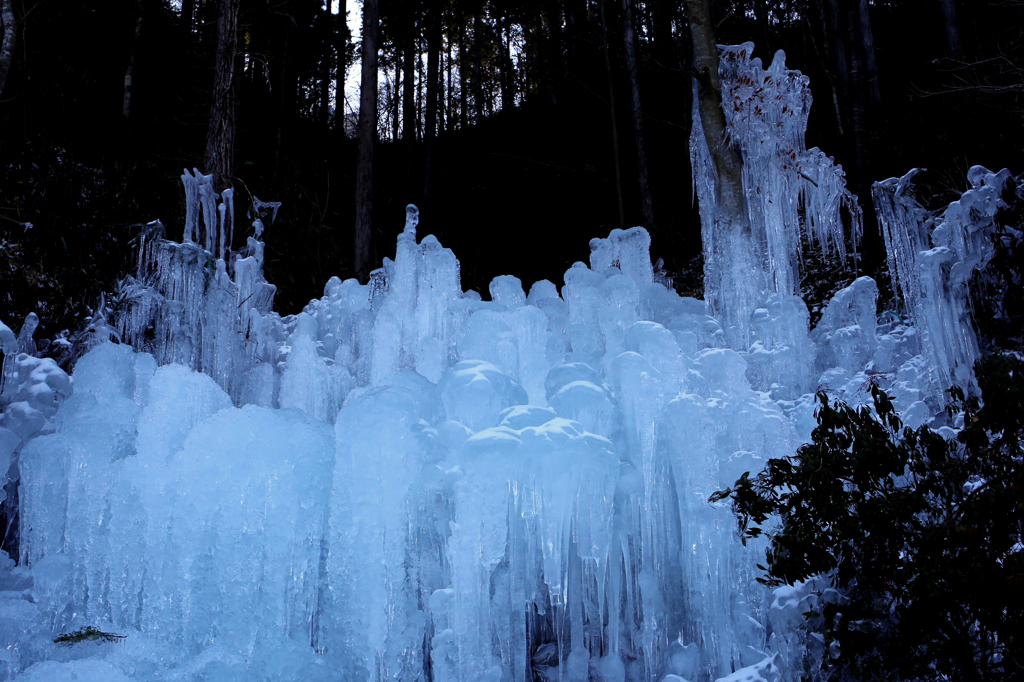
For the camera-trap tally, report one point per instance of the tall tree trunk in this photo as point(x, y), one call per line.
point(396, 105)
point(420, 104)
point(763, 30)
point(734, 274)
point(833, 17)
point(953, 46)
point(220, 136)
point(284, 76)
point(433, 78)
point(442, 113)
point(463, 65)
point(341, 39)
point(478, 89)
point(126, 103)
point(867, 36)
point(532, 36)
point(554, 52)
point(409, 86)
point(7, 42)
point(367, 137)
point(409, 101)
point(726, 158)
point(611, 109)
point(507, 98)
point(857, 101)
point(327, 46)
point(629, 47)
point(449, 93)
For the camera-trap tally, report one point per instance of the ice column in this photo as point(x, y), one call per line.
point(190, 305)
point(791, 191)
point(414, 328)
point(933, 257)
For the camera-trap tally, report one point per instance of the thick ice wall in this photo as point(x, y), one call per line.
point(77, 671)
point(336, 315)
point(519, 485)
point(179, 399)
point(581, 294)
point(628, 251)
point(515, 340)
point(131, 520)
point(578, 392)
point(780, 358)
point(686, 444)
point(308, 383)
point(68, 477)
point(33, 390)
point(532, 529)
point(845, 334)
point(475, 392)
point(380, 571)
point(250, 484)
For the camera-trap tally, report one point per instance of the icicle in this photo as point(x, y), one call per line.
point(222, 210)
point(27, 344)
point(228, 200)
point(259, 206)
point(412, 219)
point(208, 198)
point(904, 229)
point(191, 205)
point(931, 260)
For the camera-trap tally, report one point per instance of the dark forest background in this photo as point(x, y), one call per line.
point(522, 148)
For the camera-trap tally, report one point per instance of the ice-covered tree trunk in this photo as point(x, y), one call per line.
point(730, 292)
point(7, 45)
point(367, 137)
point(726, 158)
point(761, 193)
point(855, 95)
point(220, 136)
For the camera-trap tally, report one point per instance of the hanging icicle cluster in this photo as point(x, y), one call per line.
point(791, 192)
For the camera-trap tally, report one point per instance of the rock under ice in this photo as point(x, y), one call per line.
point(407, 482)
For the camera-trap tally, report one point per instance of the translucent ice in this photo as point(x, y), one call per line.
point(791, 192)
point(932, 257)
point(406, 482)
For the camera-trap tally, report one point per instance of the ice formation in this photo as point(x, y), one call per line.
point(404, 481)
point(407, 482)
point(931, 260)
point(792, 193)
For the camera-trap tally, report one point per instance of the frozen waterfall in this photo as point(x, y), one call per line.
point(407, 482)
